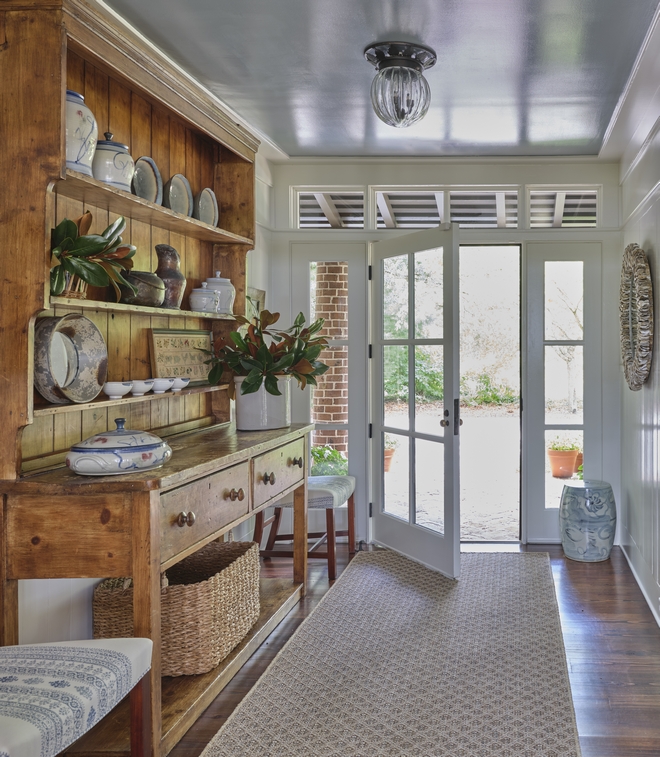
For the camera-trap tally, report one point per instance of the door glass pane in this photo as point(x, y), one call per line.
point(395, 386)
point(428, 294)
point(562, 460)
point(396, 476)
point(429, 484)
point(428, 389)
point(395, 297)
point(564, 384)
point(564, 299)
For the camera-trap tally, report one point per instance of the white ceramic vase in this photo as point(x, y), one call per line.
point(81, 133)
point(261, 410)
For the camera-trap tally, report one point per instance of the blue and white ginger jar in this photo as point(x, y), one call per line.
point(81, 133)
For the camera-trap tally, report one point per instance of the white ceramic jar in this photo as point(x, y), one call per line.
point(226, 293)
point(119, 451)
point(112, 163)
point(204, 300)
point(81, 133)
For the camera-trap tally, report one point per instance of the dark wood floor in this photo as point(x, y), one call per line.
point(612, 646)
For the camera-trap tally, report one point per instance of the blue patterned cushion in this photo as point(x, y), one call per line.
point(324, 492)
point(51, 694)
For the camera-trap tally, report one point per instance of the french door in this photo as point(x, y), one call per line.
point(415, 393)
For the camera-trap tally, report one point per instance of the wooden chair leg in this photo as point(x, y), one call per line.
point(351, 525)
point(140, 701)
point(331, 541)
point(275, 527)
point(258, 527)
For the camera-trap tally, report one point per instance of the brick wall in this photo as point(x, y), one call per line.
point(330, 403)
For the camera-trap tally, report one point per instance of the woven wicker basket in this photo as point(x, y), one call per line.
point(210, 602)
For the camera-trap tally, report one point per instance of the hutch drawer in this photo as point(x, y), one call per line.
point(276, 471)
point(199, 509)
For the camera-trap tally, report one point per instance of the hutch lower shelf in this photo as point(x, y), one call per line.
point(59, 525)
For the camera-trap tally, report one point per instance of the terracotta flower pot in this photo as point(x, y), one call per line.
point(562, 462)
point(388, 454)
point(579, 460)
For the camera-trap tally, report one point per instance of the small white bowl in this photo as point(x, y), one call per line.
point(161, 385)
point(179, 384)
point(117, 389)
point(140, 388)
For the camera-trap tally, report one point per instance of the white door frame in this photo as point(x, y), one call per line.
point(540, 524)
point(354, 253)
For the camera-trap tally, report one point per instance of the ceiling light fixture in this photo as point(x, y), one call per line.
point(399, 93)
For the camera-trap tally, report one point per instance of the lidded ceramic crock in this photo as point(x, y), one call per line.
point(226, 293)
point(81, 133)
point(204, 299)
point(112, 163)
point(119, 451)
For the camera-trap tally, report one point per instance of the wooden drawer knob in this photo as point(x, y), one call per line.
point(237, 495)
point(297, 461)
point(186, 519)
point(269, 478)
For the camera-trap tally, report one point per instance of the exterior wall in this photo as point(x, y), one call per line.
point(330, 402)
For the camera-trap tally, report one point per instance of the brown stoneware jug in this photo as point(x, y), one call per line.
point(169, 270)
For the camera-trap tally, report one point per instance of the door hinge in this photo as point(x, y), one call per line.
point(371, 354)
point(371, 428)
point(371, 509)
point(370, 272)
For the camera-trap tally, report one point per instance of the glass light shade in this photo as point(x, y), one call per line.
point(400, 95)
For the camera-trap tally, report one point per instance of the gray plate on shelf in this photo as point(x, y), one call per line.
point(147, 182)
point(205, 207)
point(177, 195)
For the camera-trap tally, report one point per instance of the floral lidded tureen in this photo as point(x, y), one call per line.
point(119, 451)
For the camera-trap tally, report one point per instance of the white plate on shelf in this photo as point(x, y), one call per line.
point(147, 182)
point(205, 207)
point(177, 195)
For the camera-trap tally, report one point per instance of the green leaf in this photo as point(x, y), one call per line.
point(66, 228)
point(248, 387)
point(90, 272)
point(272, 385)
point(115, 229)
point(57, 280)
point(264, 356)
point(215, 374)
point(89, 245)
point(238, 340)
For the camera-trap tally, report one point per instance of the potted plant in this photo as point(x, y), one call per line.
point(263, 361)
point(562, 456)
point(390, 443)
point(328, 461)
point(79, 258)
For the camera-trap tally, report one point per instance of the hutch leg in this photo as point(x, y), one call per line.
point(146, 593)
point(300, 535)
point(8, 587)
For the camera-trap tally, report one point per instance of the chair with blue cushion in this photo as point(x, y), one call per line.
point(51, 694)
point(323, 493)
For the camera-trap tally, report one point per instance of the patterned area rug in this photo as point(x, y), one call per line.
point(398, 661)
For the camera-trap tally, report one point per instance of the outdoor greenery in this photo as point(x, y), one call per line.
point(328, 461)
point(563, 446)
point(482, 390)
point(261, 354)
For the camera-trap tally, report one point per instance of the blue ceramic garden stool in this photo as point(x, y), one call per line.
point(587, 520)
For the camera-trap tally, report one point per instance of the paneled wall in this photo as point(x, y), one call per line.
point(640, 425)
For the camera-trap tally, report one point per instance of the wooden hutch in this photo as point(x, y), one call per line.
point(54, 524)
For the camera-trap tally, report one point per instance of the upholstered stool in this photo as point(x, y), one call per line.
point(51, 694)
point(323, 493)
